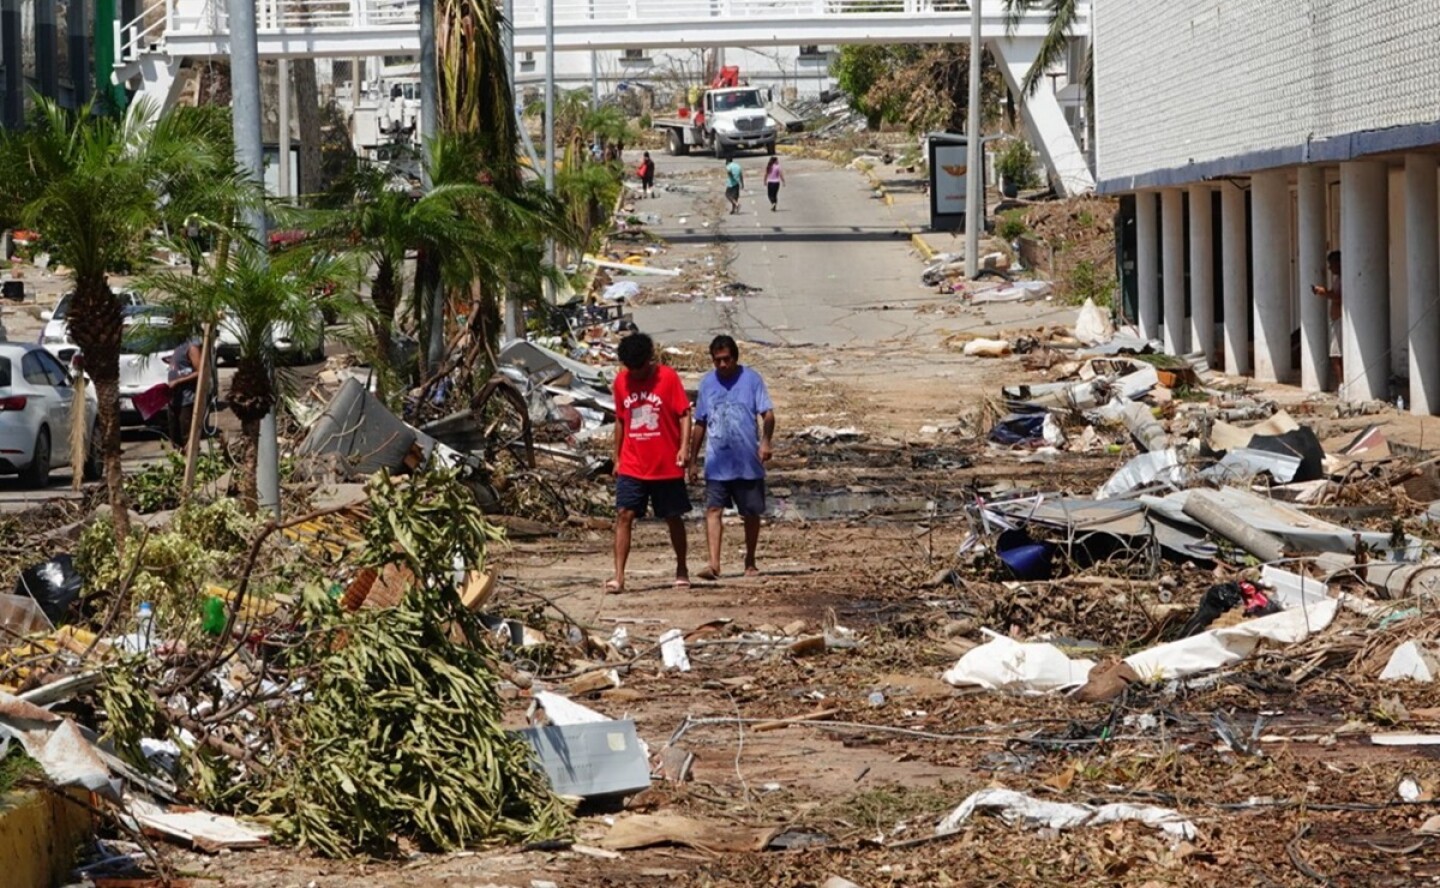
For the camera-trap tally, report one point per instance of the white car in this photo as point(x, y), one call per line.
point(55, 335)
point(147, 344)
point(36, 394)
point(227, 344)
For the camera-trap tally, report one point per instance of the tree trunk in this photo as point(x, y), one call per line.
point(307, 110)
point(249, 465)
point(95, 326)
point(107, 427)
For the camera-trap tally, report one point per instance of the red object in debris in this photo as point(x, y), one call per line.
point(153, 400)
point(287, 238)
point(1257, 603)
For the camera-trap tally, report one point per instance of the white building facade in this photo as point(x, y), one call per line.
point(1256, 138)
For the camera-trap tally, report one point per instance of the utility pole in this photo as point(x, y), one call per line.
point(975, 153)
point(249, 154)
point(550, 96)
point(550, 132)
point(514, 321)
point(429, 130)
point(514, 326)
point(283, 75)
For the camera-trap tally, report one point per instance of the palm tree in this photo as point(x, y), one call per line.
point(476, 94)
point(256, 292)
point(1063, 15)
point(382, 224)
point(94, 187)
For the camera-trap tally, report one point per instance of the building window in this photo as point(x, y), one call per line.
point(527, 61)
point(634, 56)
point(810, 51)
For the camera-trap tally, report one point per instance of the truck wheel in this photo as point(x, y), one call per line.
point(678, 148)
point(769, 148)
point(719, 148)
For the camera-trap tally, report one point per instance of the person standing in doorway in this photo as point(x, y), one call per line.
point(652, 452)
point(732, 399)
point(734, 181)
point(646, 171)
point(774, 178)
point(1331, 294)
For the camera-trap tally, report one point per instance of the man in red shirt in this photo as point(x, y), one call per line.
point(652, 452)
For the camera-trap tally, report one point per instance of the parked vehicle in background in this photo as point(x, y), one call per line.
point(36, 394)
point(227, 344)
point(55, 335)
point(724, 118)
point(146, 348)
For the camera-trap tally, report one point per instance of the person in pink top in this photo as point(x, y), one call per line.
point(774, 178)
point(652, 452)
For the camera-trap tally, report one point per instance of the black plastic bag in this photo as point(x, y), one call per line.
point(54, 585)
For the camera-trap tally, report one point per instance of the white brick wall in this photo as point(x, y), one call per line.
point(1180, 83)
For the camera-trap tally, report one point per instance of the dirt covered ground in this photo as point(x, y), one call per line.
point(865, 552)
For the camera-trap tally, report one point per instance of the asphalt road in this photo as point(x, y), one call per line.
point(834, 264)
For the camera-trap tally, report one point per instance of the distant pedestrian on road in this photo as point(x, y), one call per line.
point(732, 398)
point(734, 181)
point(1331, 294)
point(652, 452)
point(774, 178)
point(646, 171)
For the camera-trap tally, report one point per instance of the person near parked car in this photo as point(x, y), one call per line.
point(184, 379)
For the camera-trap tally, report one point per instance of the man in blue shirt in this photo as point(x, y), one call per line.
point(732, 397)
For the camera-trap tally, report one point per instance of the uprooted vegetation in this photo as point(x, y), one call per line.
point(349, 731)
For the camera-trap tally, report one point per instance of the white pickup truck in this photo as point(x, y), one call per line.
point(727, 120)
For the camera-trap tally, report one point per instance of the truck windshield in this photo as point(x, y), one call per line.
point(731, 101)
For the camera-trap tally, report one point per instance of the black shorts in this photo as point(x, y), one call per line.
point(667, 498)
point(747, 495)
point(733, 192)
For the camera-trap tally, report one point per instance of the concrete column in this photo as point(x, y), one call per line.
point(77, 27)
point(1202, 271)
point(1399, 278)
point(1365, 280)
point(1147, 263)
point(1314, 310)
point(47, 49)
point(1172, 232)
point(1235, 278)
point(12, 109)
point(1270, 210)
point(1422, 231)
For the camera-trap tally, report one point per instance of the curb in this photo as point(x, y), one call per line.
point(926, 251)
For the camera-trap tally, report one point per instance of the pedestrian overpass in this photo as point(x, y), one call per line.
point(150, 49)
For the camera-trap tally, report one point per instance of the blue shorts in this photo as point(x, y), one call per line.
point(747, 495)
point(668, 498)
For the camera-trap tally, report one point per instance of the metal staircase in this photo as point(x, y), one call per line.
point(150, 49)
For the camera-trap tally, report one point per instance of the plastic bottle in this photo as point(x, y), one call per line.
point(144, 626)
